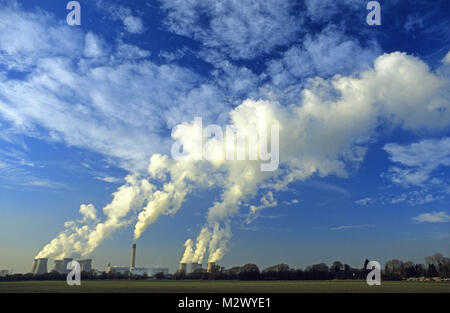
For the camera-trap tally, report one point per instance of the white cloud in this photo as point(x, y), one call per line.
point(324, 54)
point(17, 170)
point(292, 202)
point(131, 22)
point(345, 227)
point(447, 58)
point(418, 160)
point(109, 179)
point(364, 201)
point(124, 108)
point(94, 47)
point(416, 197)
point(240, 29)
point(28, 36)
point(323, 10)
point(433, 217)
point(107, 105)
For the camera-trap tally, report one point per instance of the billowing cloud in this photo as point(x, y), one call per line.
point(81, 238)
point(122, 105)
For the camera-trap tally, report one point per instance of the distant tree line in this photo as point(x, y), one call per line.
point(435, 266)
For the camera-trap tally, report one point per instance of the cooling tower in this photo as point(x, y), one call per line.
point(211, 266)
point(195, 267)
point(58, 266)
point(33, 269)
point(133, 256)
point(61, 265)
point(41, 267)
point(85, 265)
point(64, 265)
point(182, 268)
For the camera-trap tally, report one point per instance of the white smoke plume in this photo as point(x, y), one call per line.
point(219, 241)
point(326, 133)
point(84, 236)
point(202, 245)
point(267, 201)
point(188, 255)
point(178, 179)
point(332, 127)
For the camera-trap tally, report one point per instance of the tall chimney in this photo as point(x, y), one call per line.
point(133, 256)
point(211, 267)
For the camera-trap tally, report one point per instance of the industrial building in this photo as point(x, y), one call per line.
point(149, 271)
point(133, 256)
point(39, 266)
point(211, 267)
point(85, 265)
point(4, 273)
point(117, 269)
point(61, 266)
point(195, 267)
point(182, 268)
point(133, 270)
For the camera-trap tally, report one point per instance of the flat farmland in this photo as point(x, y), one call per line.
point(195, 286)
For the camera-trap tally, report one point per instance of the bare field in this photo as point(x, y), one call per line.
point(164, 286)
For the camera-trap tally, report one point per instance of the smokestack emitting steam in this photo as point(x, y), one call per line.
point(349, 107)
point(133, 256)
point(85, 238)
point(211, 266)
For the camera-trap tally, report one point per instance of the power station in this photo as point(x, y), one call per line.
point(133, 270)
point(40, 266)
point(182, 268)
point(211, 267)
point(133, 256)
point(197, 267)
point(85, 265)
point(60, 266)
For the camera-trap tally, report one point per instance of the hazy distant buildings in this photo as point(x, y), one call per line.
point(85, 265)
point(4, 273)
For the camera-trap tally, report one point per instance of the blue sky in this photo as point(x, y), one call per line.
point(364, 143)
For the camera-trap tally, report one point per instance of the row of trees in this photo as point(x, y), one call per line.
point(435, 266)
point(279, 272)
